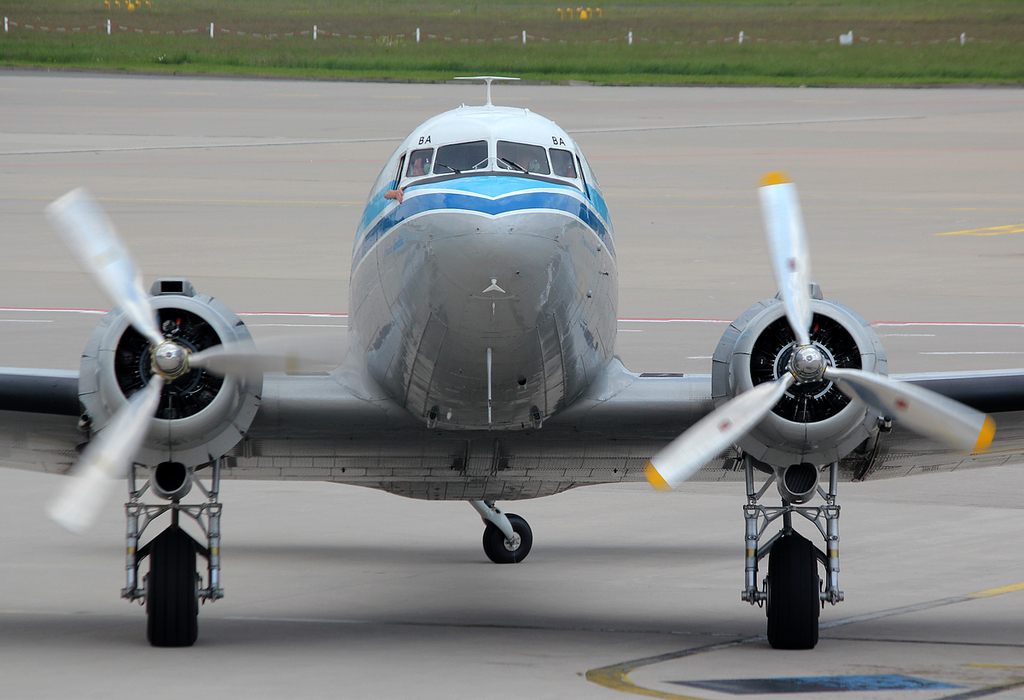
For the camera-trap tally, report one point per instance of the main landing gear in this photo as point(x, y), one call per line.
point(507, 538)
point(793, 594)
point(172, 589)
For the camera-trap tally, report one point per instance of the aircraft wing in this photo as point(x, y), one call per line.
point(1000, 393)
point(342, 428)
point(39, 419)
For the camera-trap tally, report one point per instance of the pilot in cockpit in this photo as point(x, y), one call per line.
point(561, 163)
point(419, 164)
point(416, 168)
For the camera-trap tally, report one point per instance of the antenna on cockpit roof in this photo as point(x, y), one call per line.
point(487, 79)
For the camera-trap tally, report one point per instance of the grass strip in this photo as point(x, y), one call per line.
point(902, 42)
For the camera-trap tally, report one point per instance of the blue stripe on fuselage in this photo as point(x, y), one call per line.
point(485, 195)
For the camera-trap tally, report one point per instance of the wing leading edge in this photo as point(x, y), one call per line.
point(342, 428)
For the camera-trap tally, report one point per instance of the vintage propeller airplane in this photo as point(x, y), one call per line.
point(480, 368)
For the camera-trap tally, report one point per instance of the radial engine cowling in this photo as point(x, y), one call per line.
point(813, 423)
point(201, 415)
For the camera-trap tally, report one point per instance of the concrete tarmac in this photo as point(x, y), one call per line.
point(913, 202)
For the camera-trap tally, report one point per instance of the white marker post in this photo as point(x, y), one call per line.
point(631, 38)
point(211, 30)
point(524, 37)
point(741, 37)
point(417, 35)
point(314, 32)
point(108, 27)
point(5, 25)
point(963, 35)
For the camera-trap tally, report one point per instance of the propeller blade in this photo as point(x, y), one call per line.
point(105, 460)
point(287, 354)
point(685, 455)
point(91, 237)
point(787, 246)
point(921, 410)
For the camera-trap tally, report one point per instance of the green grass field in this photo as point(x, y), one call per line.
point(896, 42)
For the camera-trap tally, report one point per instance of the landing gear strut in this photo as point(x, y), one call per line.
point(171, 590)
point(507, 538)
point(793, 594)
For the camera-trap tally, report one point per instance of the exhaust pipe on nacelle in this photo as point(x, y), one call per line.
point(171, 480)
point(797, 483)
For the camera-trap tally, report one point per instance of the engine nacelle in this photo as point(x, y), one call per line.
point(813, 423)
point(201, 416)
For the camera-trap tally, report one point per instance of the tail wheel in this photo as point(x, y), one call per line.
point(172, 590)
point(793, 603)
point(502, 551)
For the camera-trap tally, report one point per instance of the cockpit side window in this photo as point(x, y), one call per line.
point(398, 172)
point(459, 157)
point(583, 176)
point(419, 162)
point(523, 157)
point(562, 163)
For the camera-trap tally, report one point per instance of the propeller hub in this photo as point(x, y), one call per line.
point(170, 360)
point(808, 364)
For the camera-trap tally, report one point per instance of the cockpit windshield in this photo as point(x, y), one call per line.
point(523, 157)
point(474, 156)
point(459, 157)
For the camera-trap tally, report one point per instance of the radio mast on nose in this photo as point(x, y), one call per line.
point(487, 79)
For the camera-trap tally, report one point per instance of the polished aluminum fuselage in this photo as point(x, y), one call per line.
point(485, 299)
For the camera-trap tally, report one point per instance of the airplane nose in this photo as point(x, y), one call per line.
point(494, 263)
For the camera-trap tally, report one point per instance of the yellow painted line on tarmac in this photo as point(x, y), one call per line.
point(993, 666)
point(616, 676)
point(990, 231)
point(998, 591)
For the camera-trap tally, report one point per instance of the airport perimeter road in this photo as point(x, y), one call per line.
point(252, 189)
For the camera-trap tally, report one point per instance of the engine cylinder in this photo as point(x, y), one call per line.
point(200, 415)
point(813, 422)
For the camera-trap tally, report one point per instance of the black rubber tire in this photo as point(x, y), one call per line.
point(494, 541)
point(793, 603)
point(172, 590)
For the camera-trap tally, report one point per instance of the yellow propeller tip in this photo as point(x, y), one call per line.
point(988, 431)
point(776, 177)
point(655, 478)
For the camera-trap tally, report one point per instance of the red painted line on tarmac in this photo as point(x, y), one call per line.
point(155, 163)
point(809, 153)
